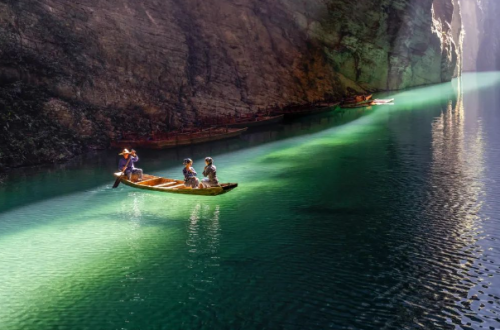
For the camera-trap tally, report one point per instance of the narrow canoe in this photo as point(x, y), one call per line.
point(357, 99)
point(308, 110)
point(157, 183)
point(182, 139)
point(357, 105)
point(259, 121)
point(383, 101)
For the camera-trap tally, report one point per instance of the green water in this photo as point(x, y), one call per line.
point(362, 219)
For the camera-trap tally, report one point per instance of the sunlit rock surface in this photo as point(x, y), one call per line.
point(471, 14)
point(489, 48)
point(482, 39)
point(90, 70)
point(488, 58)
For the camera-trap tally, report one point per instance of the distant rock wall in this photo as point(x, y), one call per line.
point(488, 58)
point(471, 16)
point(389, 45)
point(482, 39)
point(73, 75)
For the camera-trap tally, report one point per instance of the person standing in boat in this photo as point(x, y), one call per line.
point(190, 179)
point(126, 164)
point(210, 172)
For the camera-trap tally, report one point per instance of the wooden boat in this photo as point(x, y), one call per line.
point(258, 121)
point(382, 101)
point(357, 105)
point(173, 140)
point(157, 183)
point(357, 99)
point(305, 110)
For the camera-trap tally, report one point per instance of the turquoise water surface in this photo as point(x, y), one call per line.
point(384, 218)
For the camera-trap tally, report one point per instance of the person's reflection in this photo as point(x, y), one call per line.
point(203, 241)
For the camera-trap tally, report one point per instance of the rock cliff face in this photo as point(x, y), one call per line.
point(394, 44)
point(471, 15)
point(73, 75)
point(482, 40)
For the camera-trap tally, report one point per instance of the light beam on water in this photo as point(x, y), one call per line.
point(70, 248)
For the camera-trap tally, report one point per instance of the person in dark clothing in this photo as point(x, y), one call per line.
point(190, 179)
point(126, 164)
point(210, 172)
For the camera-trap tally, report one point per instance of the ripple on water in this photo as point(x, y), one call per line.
point(388, 221)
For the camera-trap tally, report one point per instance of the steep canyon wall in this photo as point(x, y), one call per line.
point(482, 39)
point(74, 75)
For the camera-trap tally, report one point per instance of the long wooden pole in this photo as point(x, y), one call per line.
point(119, 179)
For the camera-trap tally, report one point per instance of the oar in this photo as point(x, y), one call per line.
point(118, 179)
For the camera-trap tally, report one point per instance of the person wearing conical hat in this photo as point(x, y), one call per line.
point(126, 164)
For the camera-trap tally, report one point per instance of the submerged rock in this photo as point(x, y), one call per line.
point(107, 67)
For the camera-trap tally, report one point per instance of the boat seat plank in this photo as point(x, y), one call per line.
point(166, 184)
point(176, 186)
point(146, 181)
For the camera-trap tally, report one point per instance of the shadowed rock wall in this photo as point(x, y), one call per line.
point(74, 75)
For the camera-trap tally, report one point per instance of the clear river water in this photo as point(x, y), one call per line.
point(382, 218)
